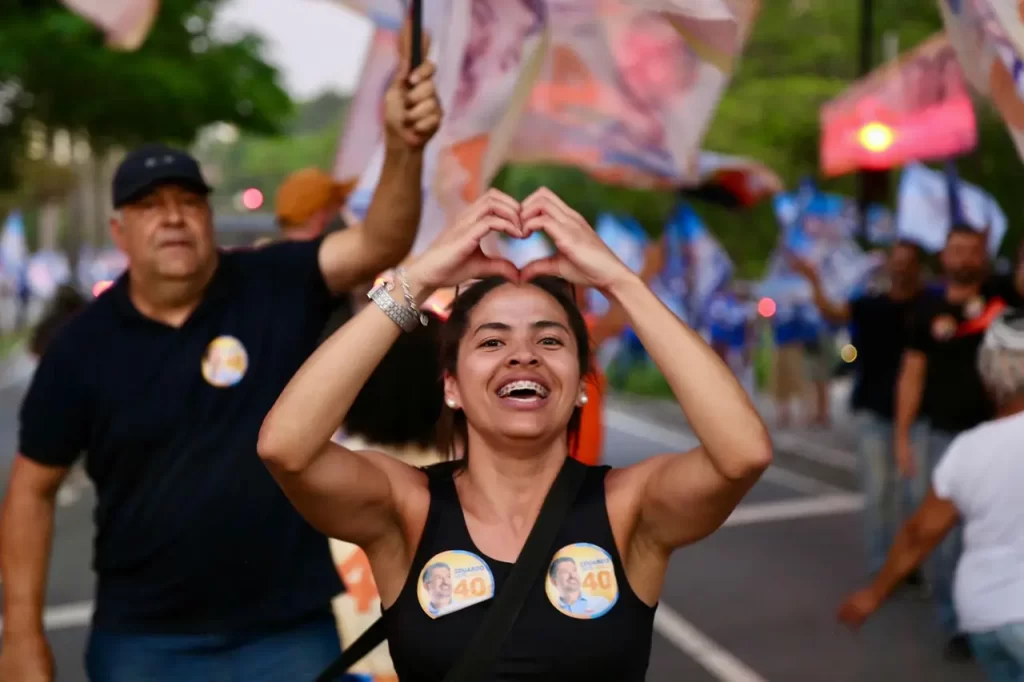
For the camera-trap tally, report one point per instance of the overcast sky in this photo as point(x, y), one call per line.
point(317, 44)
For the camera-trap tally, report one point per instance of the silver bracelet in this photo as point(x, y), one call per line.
point(409, 299)
point(400, 315)
point(405, 316)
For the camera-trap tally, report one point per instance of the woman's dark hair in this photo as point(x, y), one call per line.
point(65, 304)
point(452, 430)
point(401, 403)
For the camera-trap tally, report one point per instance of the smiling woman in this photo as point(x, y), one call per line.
point(442, 542)
point(523, 390)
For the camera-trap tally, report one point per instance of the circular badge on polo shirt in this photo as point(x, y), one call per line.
point(974, 307)
point(581, 581)
point(452, 581)
point(224, 362)
point(943, 327)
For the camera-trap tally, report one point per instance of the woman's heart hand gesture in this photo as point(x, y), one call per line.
point(456, 255)
point(582, 258)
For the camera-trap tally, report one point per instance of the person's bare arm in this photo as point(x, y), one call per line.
point(686, 496)
point(26, 530)
point(909, 389)
point(363, 251)
point(915, 541)
point(413, 115)
point(360, 497)
point(836, 313)
point(344, 494)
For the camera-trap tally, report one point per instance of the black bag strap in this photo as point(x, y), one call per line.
point(480, 653)
point(367, 642)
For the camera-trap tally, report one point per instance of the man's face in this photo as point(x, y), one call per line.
point(964, 259)
point(440, 586)
point(904, 265)
point(167, 233)
point(567, 580)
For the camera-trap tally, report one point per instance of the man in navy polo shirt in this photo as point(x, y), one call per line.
point(204, 569)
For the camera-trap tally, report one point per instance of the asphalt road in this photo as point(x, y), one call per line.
point(755, 602)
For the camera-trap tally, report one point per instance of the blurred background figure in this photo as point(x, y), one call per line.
point(65, 305)
point(879, 318)
point(977, 482)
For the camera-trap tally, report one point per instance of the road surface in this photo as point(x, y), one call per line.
point(752, 603)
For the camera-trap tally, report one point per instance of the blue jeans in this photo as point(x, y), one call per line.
point(887, 498)
point(297, 654)
point(940, 568)
point(1000, 653)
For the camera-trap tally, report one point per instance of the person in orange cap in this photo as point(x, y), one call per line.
point(308, 201)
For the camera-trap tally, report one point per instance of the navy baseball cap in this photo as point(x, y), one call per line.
point(151, 166)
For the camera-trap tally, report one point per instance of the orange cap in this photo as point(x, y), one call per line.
point(305, 192)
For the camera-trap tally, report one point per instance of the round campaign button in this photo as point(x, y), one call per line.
point(943, 327)
point(974, 308)
point(452, 581)
point(225, 362)
point(581, 581)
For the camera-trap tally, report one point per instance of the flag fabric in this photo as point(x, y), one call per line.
point(924, 215)
point(470, 52)
point(696, 266)
point(817, 228)
point(628, 89)
point(891, 116)
point(126, 23)
point(623, 89)
point(989, 40)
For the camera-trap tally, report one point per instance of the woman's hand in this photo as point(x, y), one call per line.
point(456, 256)
point(582, 257)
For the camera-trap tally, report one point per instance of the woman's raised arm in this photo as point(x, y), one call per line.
point(356, 496)
point(681, 497)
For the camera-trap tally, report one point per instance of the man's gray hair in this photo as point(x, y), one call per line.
point(1001, 357)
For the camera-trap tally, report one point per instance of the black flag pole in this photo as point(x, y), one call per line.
point(416, 49)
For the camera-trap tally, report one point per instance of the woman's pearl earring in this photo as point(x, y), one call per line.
point(451, 403)
point(583, 399)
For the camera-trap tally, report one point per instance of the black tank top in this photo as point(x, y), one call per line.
point(581, 621)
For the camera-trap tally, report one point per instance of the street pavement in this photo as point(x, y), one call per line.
point(755, 602)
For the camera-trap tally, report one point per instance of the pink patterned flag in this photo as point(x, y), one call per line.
point(891, 117)
point(624, 89)
point(126, 23)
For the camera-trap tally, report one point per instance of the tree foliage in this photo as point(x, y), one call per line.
point(800, 55)
point(181, 80)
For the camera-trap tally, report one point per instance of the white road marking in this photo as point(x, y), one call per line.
point(674, 439)
point(816, 452)
point(785, 510)
point(713, 658)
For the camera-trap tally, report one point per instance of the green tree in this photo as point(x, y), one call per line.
point(181, 80)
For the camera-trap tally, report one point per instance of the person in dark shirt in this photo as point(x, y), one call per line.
point(204, 569)
point(879, 321)
point(939, 382)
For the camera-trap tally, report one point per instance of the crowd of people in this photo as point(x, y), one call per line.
point(268, 427)
point(938, 392)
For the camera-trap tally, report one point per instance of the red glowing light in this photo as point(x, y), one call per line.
point(766, 307)
point(252, 198)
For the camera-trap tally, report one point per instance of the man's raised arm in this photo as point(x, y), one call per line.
point(412, 116)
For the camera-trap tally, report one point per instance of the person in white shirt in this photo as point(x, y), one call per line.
point(978, 482)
